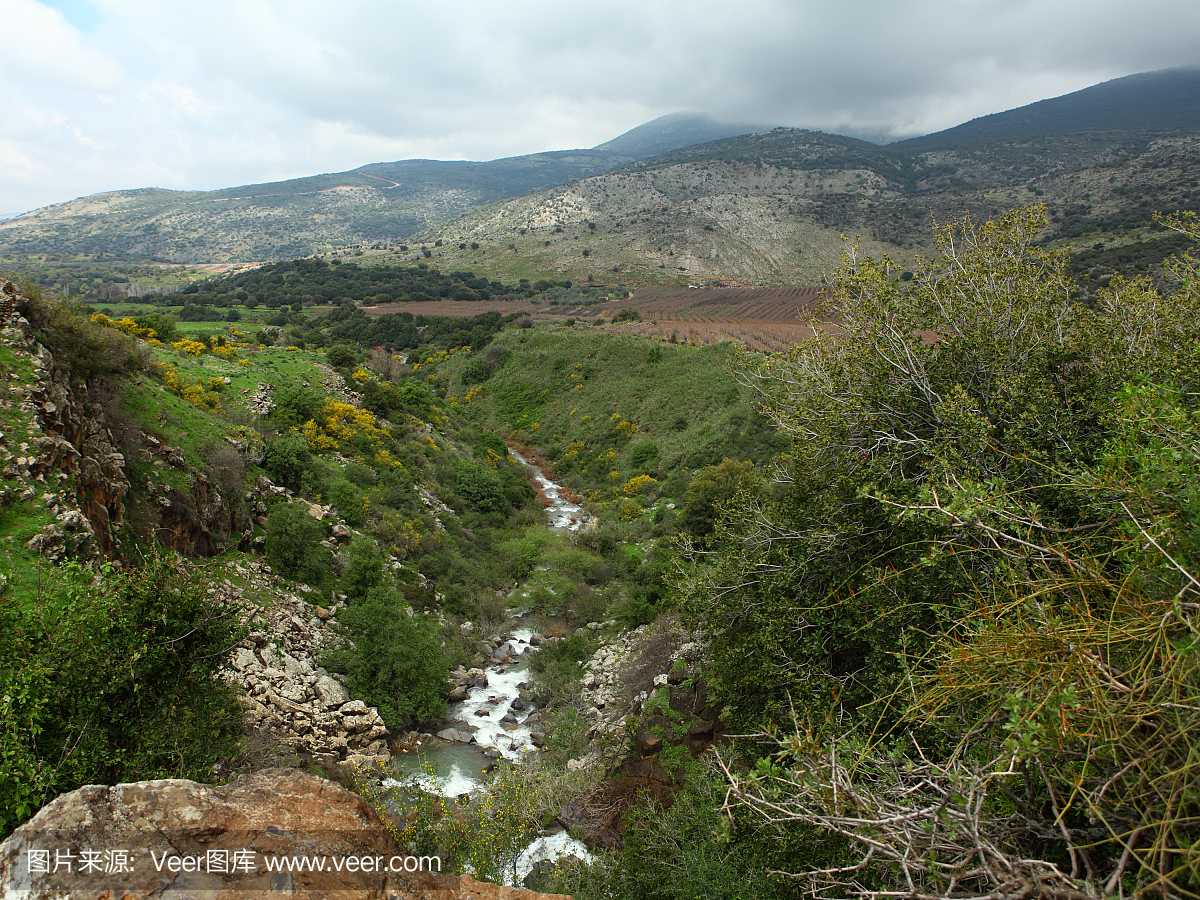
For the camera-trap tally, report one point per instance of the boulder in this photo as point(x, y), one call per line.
point(176, 838)
point(332, 694)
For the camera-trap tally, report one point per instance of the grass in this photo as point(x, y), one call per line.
point(596, 404)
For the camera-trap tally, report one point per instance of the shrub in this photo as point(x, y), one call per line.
point(286, 460)
point(365, 571)
point(479, 486)
point(396, 663)
point(976, 579)
point(644, 456)
point(341, 356)
point(294, 543)
point(348, 501)
point(103, 682)
point(294, 404)
point(710, 491)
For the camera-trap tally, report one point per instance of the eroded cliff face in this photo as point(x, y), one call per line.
point(175, 838)
point(68, 458)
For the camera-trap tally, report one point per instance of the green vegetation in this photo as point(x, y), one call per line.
point(113, 683)
point(604, 410)
point(393, 660)
point(293, 544)
point(316, 282)
point(944, 587)
point(984, 548)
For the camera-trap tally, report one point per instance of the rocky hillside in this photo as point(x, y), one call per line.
point(375, 203)
point(774, 207)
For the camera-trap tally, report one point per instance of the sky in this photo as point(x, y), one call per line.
point(100, 95)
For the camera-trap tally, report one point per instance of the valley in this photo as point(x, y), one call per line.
point(743, 512)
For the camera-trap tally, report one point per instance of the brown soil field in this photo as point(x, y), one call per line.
point(761, 318)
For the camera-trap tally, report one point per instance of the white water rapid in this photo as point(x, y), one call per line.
point(459, 767)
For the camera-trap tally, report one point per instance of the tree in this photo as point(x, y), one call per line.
point(710, 491)
point(974, 577)
point(294, 543)
point(396, 662)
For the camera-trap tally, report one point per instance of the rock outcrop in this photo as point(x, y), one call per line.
point(283, 689)
point(69, 454)
point(176, 838)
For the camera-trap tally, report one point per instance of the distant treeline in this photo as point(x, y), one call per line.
point(403, 331)
point(317, 282)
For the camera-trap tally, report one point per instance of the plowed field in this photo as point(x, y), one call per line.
point(761, 318)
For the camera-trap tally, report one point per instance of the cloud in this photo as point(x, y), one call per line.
point(208, 94)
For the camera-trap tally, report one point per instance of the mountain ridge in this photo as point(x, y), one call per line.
point(819, 186)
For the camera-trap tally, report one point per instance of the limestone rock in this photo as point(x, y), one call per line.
point(174, 837)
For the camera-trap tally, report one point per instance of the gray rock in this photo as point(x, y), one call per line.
point(296, 667)
point(244, 660)
point(331, 693)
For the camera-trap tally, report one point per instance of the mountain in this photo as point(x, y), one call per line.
point(1164, 101)
point(684, 198)
point(772, 207)
point(672, 131)
point(285, 219)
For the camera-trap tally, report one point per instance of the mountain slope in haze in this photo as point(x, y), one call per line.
point(1164, 101)
point(773, 207)
point(672, 131)
point(285, 219)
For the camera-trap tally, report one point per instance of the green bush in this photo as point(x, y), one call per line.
point(341, 356)
point(294, 543)
point(343, 495)
point(556, 667)
point(365, 569)
point(644, 457)
point(294, 404)
point(474, 372)
point(479, 487)
point(976, 577)
point(287, 460)
point(396, 663)
point(686, 850)
point(112, 681)
point(709, 491)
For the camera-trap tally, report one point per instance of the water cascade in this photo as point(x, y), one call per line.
point(493, 722)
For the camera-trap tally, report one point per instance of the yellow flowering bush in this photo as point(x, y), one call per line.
point(337, 422)
point(629, 510)
point(637, 485)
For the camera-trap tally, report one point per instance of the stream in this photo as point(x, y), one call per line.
point(561, 513)
point(458, 766)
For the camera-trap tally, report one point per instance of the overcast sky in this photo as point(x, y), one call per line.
point(99, 95)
